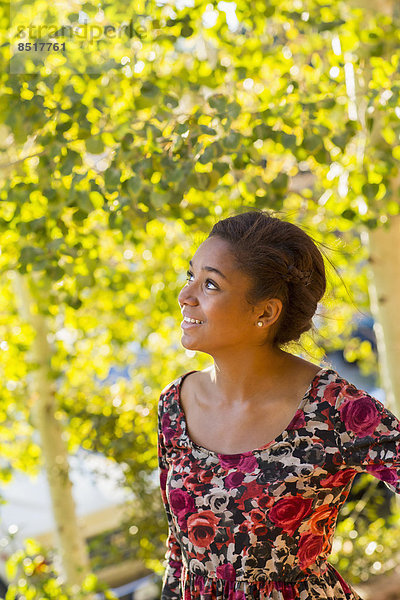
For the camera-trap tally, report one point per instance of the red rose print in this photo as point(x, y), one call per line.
point(206, 476)
point(181, 504)
point(253, 490)
point(167, 431)
point(289, 512)
point(258, 524)
point(163, 479)
point(192, 482)
point(360, 415)
point(259, 529)
point(332, 391)
point(241, 462)
point(265, 502)
point(202, 528)
point(233, 480)
point(176, 566)
point(310, 546)
point(337, 459)
point(226, 571)
point(257, 515)
point(339, 479)
point(384, 473)
point(287, 590)
point(322, 517)
point(350, 391)
point(245, 527)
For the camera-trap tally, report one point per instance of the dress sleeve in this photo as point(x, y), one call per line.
point(171, 580)
point(368, 435)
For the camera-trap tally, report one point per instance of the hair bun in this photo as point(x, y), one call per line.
point(267, 249)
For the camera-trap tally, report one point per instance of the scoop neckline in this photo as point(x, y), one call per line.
point(266, 446)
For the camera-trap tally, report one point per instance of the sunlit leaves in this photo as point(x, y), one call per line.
point(199, 121)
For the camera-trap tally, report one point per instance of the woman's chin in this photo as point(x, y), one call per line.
point(188, 343)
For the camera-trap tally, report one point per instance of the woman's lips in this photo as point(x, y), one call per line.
point(186, 325)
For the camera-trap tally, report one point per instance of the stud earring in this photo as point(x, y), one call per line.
point(260, 323)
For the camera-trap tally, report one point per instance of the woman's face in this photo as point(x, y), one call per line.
point(215, 294)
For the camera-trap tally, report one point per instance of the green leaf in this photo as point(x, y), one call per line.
point(349, 214)
point(94, 145)
point(73, 302)
point(127, 141)
point(370, 190)
point(67, 164)
point(201, 181)
point(208, 130)
point(37, 224)
point(29, 253)
point(262, 131)
point(134, 184)
point(218, 101)
point(288, 140)
point(186, 31)
point(280, 182)
point(221, 167)
point(62, 127)
point(149, 89)
point(331, 25)
point(233, 109)
point(232, 140)
point(170, 101)
point(207, 155)
point(55, 272)
point(340, 140)
point(182, 128)
point(112, 178)
point(241, 160)
point(328, 103)
point(84, 202)
point(312, 143)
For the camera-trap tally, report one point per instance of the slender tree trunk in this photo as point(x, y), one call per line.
point(69, 539)
point(383, 243)
point(384, 288)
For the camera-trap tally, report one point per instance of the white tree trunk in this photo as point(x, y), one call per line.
point(70, 542)
point(383, 243)
point(384, 289)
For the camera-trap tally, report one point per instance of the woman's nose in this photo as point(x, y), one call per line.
point(186, 296)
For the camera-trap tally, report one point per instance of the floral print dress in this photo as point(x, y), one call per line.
point(259, 525)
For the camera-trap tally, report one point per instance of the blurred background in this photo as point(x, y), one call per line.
point(126, 131)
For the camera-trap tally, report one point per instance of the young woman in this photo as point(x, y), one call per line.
point(257, 452)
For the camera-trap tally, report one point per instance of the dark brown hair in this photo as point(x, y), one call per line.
point(283, 262)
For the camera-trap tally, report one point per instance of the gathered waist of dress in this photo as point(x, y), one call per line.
point(330, 585)
point(226, 573)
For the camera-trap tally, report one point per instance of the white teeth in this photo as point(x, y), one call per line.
point(188, 320)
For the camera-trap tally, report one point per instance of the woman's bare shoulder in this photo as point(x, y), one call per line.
point(194, 384)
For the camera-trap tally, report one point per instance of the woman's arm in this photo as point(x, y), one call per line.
point(171, 580)
point(368, 435)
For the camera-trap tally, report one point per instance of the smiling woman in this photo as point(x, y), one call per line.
point(257, 452)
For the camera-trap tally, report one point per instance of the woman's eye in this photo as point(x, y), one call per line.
point(189, 274)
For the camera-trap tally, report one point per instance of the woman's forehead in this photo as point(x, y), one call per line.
point(217, 252)
point(215, 247)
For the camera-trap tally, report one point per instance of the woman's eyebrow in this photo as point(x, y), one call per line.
point(209, 269)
